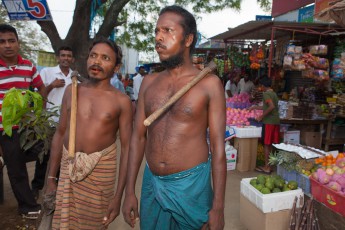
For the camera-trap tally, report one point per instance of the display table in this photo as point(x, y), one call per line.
point(320, 122)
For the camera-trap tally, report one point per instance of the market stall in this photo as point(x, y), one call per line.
point(307, 64)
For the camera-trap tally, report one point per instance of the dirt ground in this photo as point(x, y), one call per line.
point(9, 217)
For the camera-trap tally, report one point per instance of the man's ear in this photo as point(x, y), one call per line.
point(116, 69)
point(189, 40)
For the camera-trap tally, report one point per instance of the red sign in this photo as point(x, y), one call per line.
point(321, 5)
point(280, 7)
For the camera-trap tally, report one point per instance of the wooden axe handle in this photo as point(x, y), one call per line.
point(73, 119)
point(148, 121)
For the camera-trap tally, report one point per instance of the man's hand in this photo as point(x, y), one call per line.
point(216, 219)
point(51, 186)
point(57, 83)
point(113, 212)
point(130, 210)
point(259, 118)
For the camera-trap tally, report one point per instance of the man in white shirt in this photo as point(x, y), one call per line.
point(246, 85)
point(137, 81)
point(232, 87)
point(56, 79)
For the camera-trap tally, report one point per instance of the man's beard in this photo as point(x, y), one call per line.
point(173, 62)
point(97, 80)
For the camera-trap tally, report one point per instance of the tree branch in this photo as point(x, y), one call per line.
point(49, 28)
point(110, 19)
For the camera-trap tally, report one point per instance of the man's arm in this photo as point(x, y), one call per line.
point(136, 154)
point(217, 125)
point(268, 110)
point(125, 127)
point(228, 88)
point(57, 143)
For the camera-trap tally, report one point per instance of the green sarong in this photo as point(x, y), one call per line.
point(178, 201)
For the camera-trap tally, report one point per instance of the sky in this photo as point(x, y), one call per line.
point(209, 25)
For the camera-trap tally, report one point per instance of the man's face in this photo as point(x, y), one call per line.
point(170, 41)
point(9, 45)
point(101, 62)
point(142, 71)
point(65, 58)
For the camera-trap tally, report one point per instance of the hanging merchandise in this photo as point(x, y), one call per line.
point(223, 66)
point(238, 58)
point(256, 56)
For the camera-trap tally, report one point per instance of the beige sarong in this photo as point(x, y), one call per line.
point(85, 189)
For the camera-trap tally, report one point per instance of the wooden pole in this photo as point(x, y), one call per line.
point(148, 121)
point(73, 119)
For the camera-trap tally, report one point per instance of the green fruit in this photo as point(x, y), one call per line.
point(265, 191)
point(286, 189)
point(261, 179)
point(253, 181)
point(259, 187)
point(269, 185)
point(292, 185)
point(276, 190)
point(279, 183)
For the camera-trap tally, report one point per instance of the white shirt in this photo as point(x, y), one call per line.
point(227, 87)
point(48, 75)
point(136, 85)
point(246, 87)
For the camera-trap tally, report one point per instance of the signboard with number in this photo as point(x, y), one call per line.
point(306, 14)
point(27, 9)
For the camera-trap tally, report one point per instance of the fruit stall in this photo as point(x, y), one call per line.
point(307, 64)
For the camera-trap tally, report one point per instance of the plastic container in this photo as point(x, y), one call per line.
point(271, 202)
point(328, 197)
point(303, 181)
point(248, 132)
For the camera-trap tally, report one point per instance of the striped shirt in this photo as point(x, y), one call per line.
point(21, 76)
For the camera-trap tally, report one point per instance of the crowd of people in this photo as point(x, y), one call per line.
point(184, 179)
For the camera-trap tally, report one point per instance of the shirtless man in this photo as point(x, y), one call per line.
point(86, 200)
point(176, 190)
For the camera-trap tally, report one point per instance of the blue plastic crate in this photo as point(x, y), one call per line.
point(302, 180)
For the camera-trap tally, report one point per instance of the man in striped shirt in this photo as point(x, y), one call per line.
point(21, 74)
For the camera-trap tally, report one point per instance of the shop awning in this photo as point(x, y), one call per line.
point(262, 30)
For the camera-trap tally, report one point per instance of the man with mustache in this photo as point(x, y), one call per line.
point(85, 197)
point(176, 190)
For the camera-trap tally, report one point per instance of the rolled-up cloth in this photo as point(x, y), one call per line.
point(83, 164)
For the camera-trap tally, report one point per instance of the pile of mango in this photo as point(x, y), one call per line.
point(267, 184)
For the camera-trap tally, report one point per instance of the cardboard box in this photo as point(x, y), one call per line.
point(292, 137)
point(254, 219)
point(247, 149)
point(231, 155)
point(271, 202)
point(312, 139)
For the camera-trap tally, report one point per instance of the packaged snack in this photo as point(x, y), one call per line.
point(313, 49)
point(287, 63)
point(290, 49)
point(322, 50)
point(298, 65)
point(298, 49)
